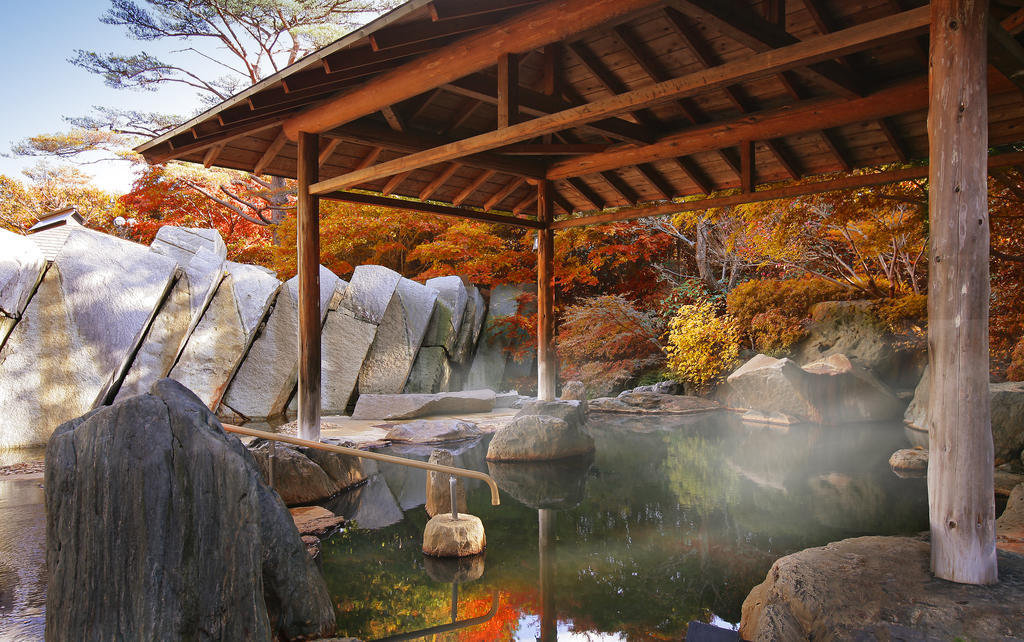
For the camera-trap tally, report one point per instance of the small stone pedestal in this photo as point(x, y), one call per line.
point(446, 536)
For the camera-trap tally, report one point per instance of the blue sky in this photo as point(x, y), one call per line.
point(36, 39)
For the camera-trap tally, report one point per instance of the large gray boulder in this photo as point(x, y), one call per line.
point(431, 372)
point(398, 339)
point(771, 385)
point(880, 588)
point(413, 406)
point(370, 291)
point(164, 338)
point(160, 528)
point(571, 411)
point(490, 359)
point(453, 293)
point(426, 431)
point(1007, 406)
point(76, 337)
point(472, 326)
point(306, 475)
point(266, 379)
point(21, 267)
point(539, 438)
point(345, 340)
point(201, 253)
point(829, 391)
point(222, 338)
point(852, 328)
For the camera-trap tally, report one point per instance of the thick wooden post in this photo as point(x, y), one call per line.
point(308, 241)
point(546, 370)
point(546, 581)
point(960, 486)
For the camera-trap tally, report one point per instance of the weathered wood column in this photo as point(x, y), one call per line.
point(546, 369)
point(308, 242)
point(960, 486)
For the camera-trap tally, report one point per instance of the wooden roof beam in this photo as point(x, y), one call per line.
point(787, 191)
point(448, 9)
point(328, 150)
point(795, 55)
point(173, 151)
point(468, 191)
point(484, 89)
point(696, 174)
point(656, 180)
point(394, 182)
point(527, 200)
point(536, 27)
point(587, 194)
point(654, 69)
point(832, 144)
point(270, 153)
point(438, 181)
point(393, 119)
point(433, 208)
point(612, 85)
point(508, 90)
point(751, 30)
point(1005, 53)
point(410, 142)
point(503, 193)
point(893, 139)
point(211, 155)
point(348, 60)
point(462, 115)
point(370, 158)
point(420, 31)
point(620, 187)
point(551, 149)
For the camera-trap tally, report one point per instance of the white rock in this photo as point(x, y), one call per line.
point(21, 267)
point(398, 339)
point(78, 333)
point(432, 371)
point(201, 253)
point(345, 341)
point(370, 291)
point(266, 379)
point(488, 369)
point(219, 342)
point(452, 291)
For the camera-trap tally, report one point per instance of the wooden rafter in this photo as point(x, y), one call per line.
point(587, 194)
point(820, 47)
point(432, 208)
point(889, 130)
point(508, 90)
point(211, 155)
point(426, 30)
point(393, 119)
point(473, 186)
point(775, 193)
point(370, 158)
point(696, 175)
point(326, 151)
point(503, 193)
point(527, 30)
point(438, 181)
point(656, 180)
point(607, 79)
point(394, 182)
point(1006, 53)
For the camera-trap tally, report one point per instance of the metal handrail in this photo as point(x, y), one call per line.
point(365, 454)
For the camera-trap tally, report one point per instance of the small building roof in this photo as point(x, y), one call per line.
point(66, 216)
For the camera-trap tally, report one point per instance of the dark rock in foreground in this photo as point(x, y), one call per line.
point(880, 588)
point(160, 528)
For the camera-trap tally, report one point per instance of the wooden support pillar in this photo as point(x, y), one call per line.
point(546, 581)
point(960, 485)
point(546, 369)
point(508, 90)
point(308, 247)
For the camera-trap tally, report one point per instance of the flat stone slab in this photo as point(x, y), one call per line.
point(376, 406)
point(426, 431)
point(909, 460)
point(447, 537)
point(315, 520)
point(652, 403)
point(880, 588)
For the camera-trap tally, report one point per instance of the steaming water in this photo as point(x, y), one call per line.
point(671, 520)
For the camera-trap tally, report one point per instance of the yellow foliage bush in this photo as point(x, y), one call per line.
point(1016, 370)
point(903, 312)
point(702, 345)
point(770, 312)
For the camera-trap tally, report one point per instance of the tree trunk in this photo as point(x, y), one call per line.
point(960, 469)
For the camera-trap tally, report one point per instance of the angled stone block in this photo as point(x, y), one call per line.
point(399, 336)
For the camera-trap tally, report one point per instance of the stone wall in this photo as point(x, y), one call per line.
point(107, 318)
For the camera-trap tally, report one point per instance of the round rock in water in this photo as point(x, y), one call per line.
point(448, 537)
point(909, 462)
point(538, 438)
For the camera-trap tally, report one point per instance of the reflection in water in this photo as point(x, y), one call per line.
point(22, 560)
point(673, 519)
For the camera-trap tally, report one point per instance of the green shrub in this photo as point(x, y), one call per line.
point(702, 345)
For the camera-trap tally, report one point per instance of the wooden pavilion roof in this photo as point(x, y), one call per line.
point(633, 102)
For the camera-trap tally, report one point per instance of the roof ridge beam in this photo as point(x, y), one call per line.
point(528, 30)
point(795, 55)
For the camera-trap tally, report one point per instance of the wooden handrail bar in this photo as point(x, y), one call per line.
point(365, 454)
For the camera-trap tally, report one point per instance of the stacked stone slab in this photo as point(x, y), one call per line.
point(490, 360)
point(200, 254)
point(435, 363)
point(266, 379)
point(347, 335)
point(400, 328)
point(21, 268)
point(79, 333)
point(225, 332)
